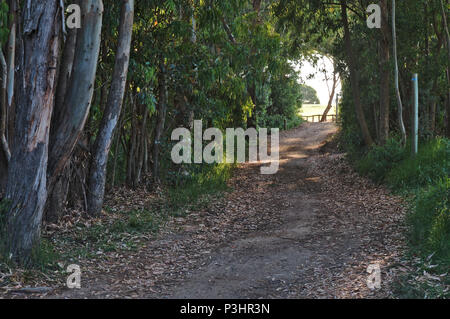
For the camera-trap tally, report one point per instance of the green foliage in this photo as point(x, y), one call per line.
point(277, 121)
point(309, 95)
point(198, 186)
point(380, 160)
point(136, 221)
point(392, 163)
point(122, 232)
point(425, 179)
point(429, 222)
point(4, 31)
point(431, 164)
point(44, 256)
point(115, 234)
point(285, 100)
point(408, 287)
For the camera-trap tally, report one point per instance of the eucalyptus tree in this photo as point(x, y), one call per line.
point(97, 177)
point(26, 192)
point(397, 88)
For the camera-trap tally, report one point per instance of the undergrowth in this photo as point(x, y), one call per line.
point(195, 192)
point(128, 230)
point(119, 230)
point(423, 179)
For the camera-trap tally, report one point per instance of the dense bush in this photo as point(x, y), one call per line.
point(392, 163)
point(429, 166)
point(429, 221)
point(380, 160)
point(277, 121)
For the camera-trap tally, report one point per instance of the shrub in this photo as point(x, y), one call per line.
point(429, 221)
point(429, 166)
point(379, 161)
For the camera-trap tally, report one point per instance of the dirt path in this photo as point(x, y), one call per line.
point(270, 262)
point(309, 231)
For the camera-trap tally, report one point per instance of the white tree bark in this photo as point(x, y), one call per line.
point(97, 178)
point(397, 89)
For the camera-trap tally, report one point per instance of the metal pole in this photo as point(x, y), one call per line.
point(337, 103)
point(415, 137)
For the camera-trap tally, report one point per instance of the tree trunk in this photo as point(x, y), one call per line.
point(3, 114)
point(161, 118)
point(131, 166)
point(65, 72)
point(397, 89)
point(142, 142)
point(57, 192)
point(330, 100)
point(116, 150)
point(97, 178)
point(251, 120)
point(26, 190)
point(385, 77)
point(376, 120)
point(447, 39)
point(69, 122)
point(11, 56)
point(354, 77)
point(56, 199)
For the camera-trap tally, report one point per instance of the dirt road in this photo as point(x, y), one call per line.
point(309, 231)
point(308, 250)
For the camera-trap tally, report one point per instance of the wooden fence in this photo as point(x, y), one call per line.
point(311, 118)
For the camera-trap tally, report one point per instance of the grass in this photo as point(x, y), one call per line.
point(431, 164)
point(196, 191)
point(315, 109)
point(430, 222)
point(424, 180)
point(120, 230)
point(380, 160)
point(125, 229)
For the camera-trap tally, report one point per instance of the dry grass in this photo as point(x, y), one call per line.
point(315, 109)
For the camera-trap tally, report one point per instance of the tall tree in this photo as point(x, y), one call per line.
point(68, 121)
point(354, 76)
point(331, 92)
point(26, 192)
point(447, 40)
point(161, 117)
point(3, 106)
point(384, 73)
point(97, 179)
point(397, 89)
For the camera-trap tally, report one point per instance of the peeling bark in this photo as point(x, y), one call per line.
point(26, 189)
point(58, 189)
point(70, 120)
point(11, 53)
point(3, 107)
